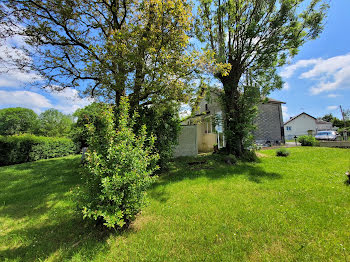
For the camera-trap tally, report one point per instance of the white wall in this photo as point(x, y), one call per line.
point(300, 126)
point(188, 145)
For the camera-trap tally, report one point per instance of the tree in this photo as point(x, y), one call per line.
point(54, 123)
point(17, 120)
point(328, 117)
point(253, 38)
point(89, 115)
point(137, 48)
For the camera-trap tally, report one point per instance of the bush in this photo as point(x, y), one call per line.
point(118, 169)
point(307, 140)
point(249, 156)
point(282, 152)
point(27, 148)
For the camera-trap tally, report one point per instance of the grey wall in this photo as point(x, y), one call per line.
point(187, 142)
point(269, 122)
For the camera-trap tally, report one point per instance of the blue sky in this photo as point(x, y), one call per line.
point(317, 79)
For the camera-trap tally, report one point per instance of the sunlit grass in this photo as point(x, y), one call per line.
point(280, 209)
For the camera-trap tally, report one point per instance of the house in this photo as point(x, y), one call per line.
point(204, 130)
point(304, 124)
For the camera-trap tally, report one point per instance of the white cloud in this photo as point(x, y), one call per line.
point(288, 71)
point(332, 108)
point(286, 86)
point(10, 53)
point(285, 113)
point(26, 99)
point(333, 95)
point(66, 101)
point(328, 74)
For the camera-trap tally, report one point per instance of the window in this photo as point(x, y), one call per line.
point(208, 127)
point(289, 128)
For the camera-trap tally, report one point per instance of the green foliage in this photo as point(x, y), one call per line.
point(307, 140)
point(26, 148)
point(249, 156)
point(17, 120)
point(164, 123)
point(253, 38)
point(53, 123)
point(90, 114)
point(110, 47)
point(282, 152)
point(118, 169)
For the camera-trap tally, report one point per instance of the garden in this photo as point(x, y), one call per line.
point(276, 209)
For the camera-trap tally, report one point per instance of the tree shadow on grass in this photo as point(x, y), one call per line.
point(35, 200)
point(212, 167)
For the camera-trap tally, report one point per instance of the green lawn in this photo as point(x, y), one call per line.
point(281, 209)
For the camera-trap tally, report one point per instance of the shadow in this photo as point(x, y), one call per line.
point(41, 222)
point(210, 166)
point(31, 189)
point(59, 241)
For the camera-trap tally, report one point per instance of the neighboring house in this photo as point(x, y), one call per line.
point(323, 125)
point(200, 133)
point(304, 124)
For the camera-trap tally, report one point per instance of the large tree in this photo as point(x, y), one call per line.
point(14, 121)
point(253, 38)
point(109, 48)
point(54, 123)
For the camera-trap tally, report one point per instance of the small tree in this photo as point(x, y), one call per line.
point(118, 170)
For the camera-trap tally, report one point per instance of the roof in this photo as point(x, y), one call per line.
point(274, 101)
point(319, 121)
point(303, 113)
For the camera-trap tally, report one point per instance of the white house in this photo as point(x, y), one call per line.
point(304, 124)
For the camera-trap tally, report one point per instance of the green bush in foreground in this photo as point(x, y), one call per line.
point(118, 169)
point(27, 148)
point(282, 152)
point(307, 140)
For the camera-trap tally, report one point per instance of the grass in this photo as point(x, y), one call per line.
point(280, 209)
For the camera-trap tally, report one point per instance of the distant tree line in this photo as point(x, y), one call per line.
point(51, 123)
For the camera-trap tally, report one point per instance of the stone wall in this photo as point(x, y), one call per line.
point(269, 123)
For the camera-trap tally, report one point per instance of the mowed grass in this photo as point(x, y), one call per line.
point(279, 209)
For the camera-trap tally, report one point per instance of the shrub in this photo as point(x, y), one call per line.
point(26, 148)
point(307, 140)
point(118, 169)
point(164, 122)
point(249, 156)
point(282, 152)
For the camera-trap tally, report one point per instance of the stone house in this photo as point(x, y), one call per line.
point(304, 124)
point(200, 133)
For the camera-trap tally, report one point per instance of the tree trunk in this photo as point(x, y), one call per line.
point(232, 111)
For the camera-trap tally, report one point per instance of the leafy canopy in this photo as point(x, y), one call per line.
point(14, 121)
point(253, 38)
point(108, 48)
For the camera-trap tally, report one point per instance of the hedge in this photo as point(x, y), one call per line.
point(27, 148)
